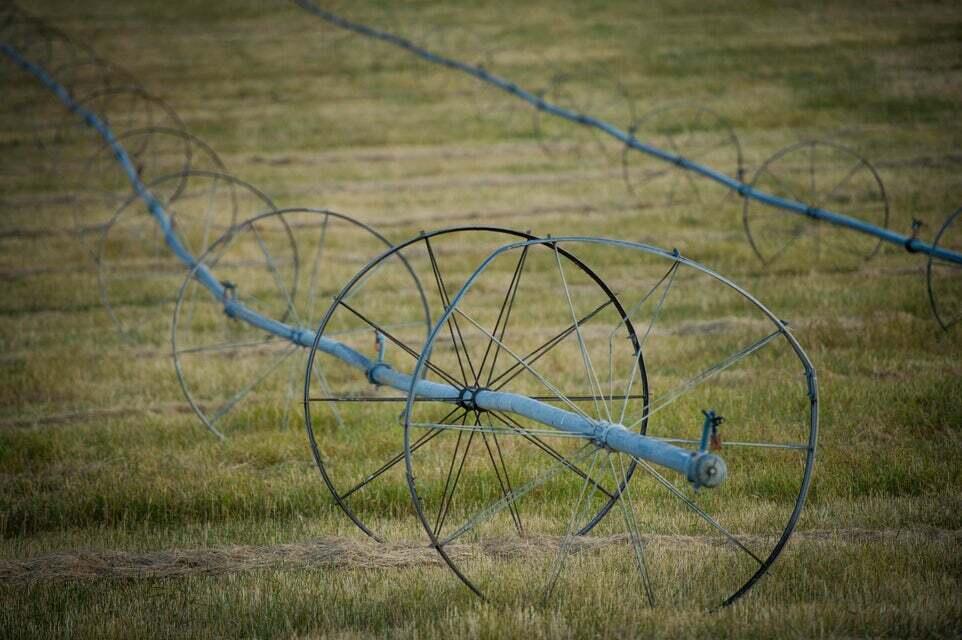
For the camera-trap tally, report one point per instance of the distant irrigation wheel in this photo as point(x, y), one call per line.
point(824, 175)
point(160, 152)
point(694, 131)
point(136, 271)
point(440, 262)
point(663, 543)
point(943, 278)
point(284, 265)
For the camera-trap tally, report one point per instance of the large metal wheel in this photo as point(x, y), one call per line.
point(285, 265)
point(385, 314)
point(707, 344)
point(824, 175)
point(944, 278)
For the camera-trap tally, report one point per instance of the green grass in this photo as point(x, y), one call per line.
point(101, 459)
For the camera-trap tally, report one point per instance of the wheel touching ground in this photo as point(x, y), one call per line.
point(823, 175)
point(507, 500)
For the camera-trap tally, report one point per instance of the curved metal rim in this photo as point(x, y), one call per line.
point(800, 145)
point(225, 238)
point(190, 141)
point(928, 272)
point(308, 423)
point(796, 347)
point(101, 245)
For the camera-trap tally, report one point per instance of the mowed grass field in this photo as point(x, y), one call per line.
point(121, 515)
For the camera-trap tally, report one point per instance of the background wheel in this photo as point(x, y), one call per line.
point(824, 175)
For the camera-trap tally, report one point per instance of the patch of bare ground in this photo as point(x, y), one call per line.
point(365, 554)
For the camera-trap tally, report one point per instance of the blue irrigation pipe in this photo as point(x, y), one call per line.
point(699, 467)
point(910, 243)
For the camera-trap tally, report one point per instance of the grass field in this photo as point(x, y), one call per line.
point(122, 516)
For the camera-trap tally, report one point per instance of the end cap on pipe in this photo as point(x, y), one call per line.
point(708, 470)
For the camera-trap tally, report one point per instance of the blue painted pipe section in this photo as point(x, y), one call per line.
point(745, 190)
point(614, 436)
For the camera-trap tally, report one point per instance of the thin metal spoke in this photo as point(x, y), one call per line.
point(275, 273)
point(635, 367)
point(848, 176)
point(223, 346)
point(411, 352)
point(452, 322)
point(714, 370)
point(509, 298)
point(349, 332)
point(593, 382)
point(798, 233)
point(446, 508)
point(533, 356)
point(326, 388)
point(496, 507)
point(394, 460)
point(631, 525)
point(312, 281)
point(695, 508)
point(237, 397)
point(784, 187)
point(527, 366)
point(577, 514)
point(505, 483)
point(530, 436)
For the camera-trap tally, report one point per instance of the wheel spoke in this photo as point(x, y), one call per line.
point(452, 322)
point(707, 374)
point(315, 264)
point(577, 514)
point(446, 505)
point(848, 176)
point(533, 356)
point(527, 366)
point(504, 483)
point(531, 437)
point(397, 458)
point(411, 352)
point(496, 507)
point(278, 281)
point(224, 346)
point(656, 313)
point(237, 397)
point(590, 373)
point(662, 480)
point(505, 311)
point(631, 525)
